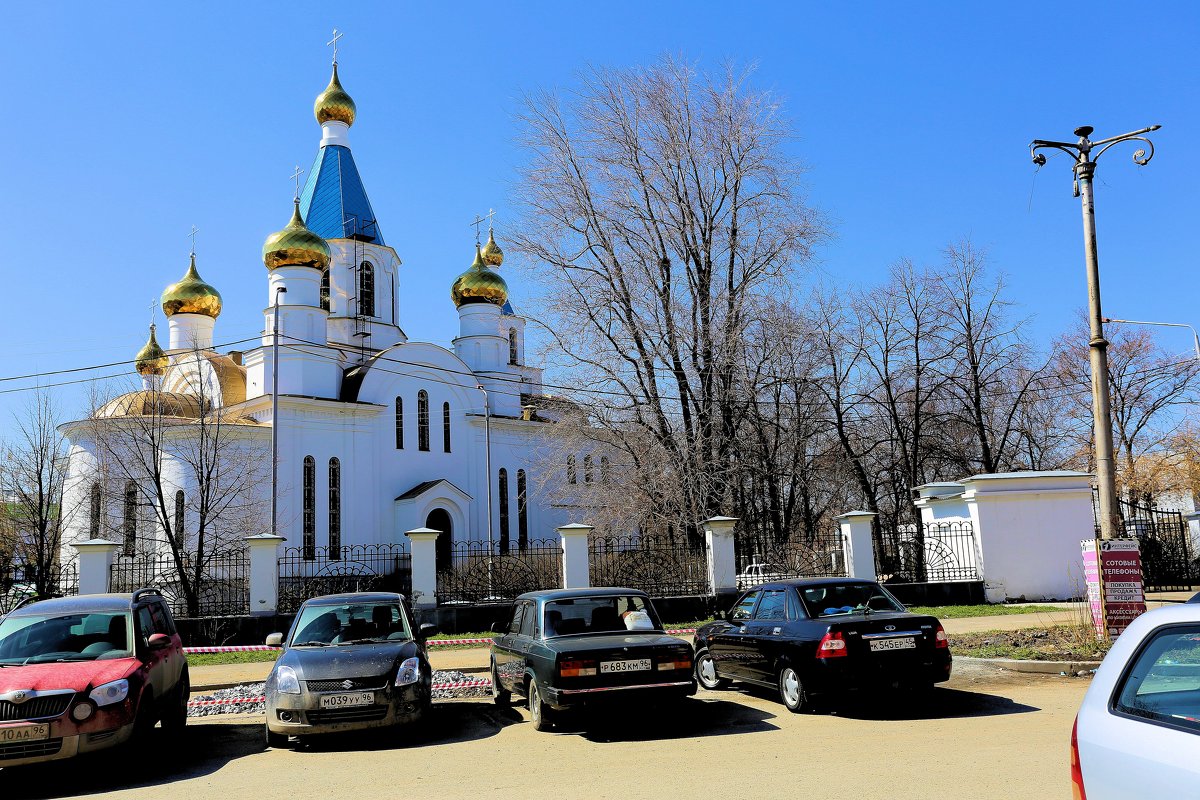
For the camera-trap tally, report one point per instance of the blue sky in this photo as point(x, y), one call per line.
point(127, 125)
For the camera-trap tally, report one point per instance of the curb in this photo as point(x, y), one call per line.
point(1035, 667)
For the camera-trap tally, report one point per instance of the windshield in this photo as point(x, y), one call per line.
point(45, 638)
point(353, 623)
point(609, 614)
point(846, 598)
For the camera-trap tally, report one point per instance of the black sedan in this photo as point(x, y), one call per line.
point(812, 637)
point(569, 647)
point(350, 662)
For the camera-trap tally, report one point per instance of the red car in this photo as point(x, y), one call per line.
point(79, 674)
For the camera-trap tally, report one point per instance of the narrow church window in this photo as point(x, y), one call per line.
point(522, 512)
point(445, 427)
point(94, 516)
point(325, 289)
point(587, 468)
point(366, 289)
point(604, 475)
point(502, 490)
point(179, 516)
point(423, 421)
point(512, 345)
point(571, 469)
point(399, 423)
point(130, 519)
point(335, 509)
point(310, 509)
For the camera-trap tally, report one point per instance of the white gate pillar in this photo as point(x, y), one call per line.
point(264, 573)
point(423, 546)
point(722, 558)
point(96, 558)
point(576, 570)
point(858, 544)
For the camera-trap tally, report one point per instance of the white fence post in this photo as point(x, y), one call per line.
point(423, 547)
point(858, 544)
point(264, 573)
point(722, 558)
point(96, 558)
point(575, 565)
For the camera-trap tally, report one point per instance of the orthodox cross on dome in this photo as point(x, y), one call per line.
point(295, 176)
point(480, 220)
point(192, 235)
point(154, 301)
point(333, 43)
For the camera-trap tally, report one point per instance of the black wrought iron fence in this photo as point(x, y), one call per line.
point(820, 556)
point(657, 565)
point(19, 584)
point(934, 552)
point(222, 589)
point(304, 574)
point(1169, 562)
point(479, 573)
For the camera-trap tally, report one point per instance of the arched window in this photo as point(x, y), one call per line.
point(587, 468)
point(179, 516)
point(94, 508)
point(310, 509)
point(502, 490)
point(522, 512)
point(445, 427)
point(423, 421)
point(335, 509)
point(129, 527)
point(366, 289)
point(571, 469)
point(512, 345)
point(325, 289)
point(604, 474)
point(399, 423)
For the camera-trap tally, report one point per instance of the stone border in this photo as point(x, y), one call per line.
point(1035, 667)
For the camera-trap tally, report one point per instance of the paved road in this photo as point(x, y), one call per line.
point(989, 735)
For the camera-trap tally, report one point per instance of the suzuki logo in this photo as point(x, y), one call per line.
point(18, 696)
point(347, 684)
point(889, 627)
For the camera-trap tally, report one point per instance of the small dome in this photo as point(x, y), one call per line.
point(479, 284)
point(191, 295)
point(493, 256)
point(334, 104)
point(151, 360)
point(295, 246)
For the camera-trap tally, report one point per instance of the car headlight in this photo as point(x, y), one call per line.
point(409, 672)
point(108, 693)
point(286, 680)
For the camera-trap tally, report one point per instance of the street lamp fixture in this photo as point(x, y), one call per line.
point(1084, 153)
point(1195, 336)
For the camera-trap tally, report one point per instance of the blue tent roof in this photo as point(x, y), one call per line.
point(334, 203)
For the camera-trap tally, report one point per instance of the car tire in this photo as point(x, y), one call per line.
point(275, 740)
point(792, 692)
point(540, 714)
point(174, 717)
point(500, 696)
point(706, 672)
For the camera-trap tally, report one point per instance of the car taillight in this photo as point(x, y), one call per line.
point(678, 661)
point(1077, 791)
point(939, 638)
point(576, 669)
point(832, 645)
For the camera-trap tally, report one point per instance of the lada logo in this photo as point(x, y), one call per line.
point(347, 684)
point(889, 627)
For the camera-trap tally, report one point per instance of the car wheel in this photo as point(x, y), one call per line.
point(276, 740)
point(791, 691)
point(500, 695)
point(539, 712)
point(175, 716)
point(706, 672)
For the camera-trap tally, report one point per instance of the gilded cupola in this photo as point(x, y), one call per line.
point(333, 104)
point(295, 246)
point(191, 295)
point(151, 360)
point(479, 284)
point(493, 256)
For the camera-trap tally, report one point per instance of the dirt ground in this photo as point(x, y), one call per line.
point(988, 733)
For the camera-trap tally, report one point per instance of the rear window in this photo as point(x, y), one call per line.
point(1163, 685)
point(837, 599)
point(606, 614)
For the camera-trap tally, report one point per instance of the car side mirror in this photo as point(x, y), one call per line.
point(499, 627)
point(158, 641)
point(274, 640)
point(426, 630)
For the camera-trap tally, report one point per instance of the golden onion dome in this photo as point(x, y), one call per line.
point(493, 256)
point(151, 360)
point(334, 104)
point(295, 246)
point(191, 295)
point(479, 284)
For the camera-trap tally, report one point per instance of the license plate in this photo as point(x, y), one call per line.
point(629, 665)
point(899, 643)
point(24, 733)
point(347, 700)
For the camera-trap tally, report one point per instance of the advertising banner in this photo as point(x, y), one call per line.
point(1113, 571)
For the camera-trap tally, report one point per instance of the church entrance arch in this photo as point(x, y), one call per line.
point(439, 520)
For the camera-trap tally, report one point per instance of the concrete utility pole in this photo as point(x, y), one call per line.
point(1081, 152)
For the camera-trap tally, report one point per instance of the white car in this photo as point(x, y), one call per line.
point(1137, 733)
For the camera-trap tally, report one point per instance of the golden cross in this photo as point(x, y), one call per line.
point(195, 230)
point(333, 43)
point(296, 177)
point(153, 303)
point(479, 221)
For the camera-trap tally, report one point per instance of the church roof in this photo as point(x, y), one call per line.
point(424, 486)
point(334, 203)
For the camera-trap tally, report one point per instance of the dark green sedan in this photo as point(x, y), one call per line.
point(569, 647)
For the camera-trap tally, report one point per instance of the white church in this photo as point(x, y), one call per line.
point(376, 434)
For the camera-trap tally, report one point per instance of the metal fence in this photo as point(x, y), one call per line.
point(19, 584)
point(934, 552)
point(222, 590)
point(480, 573)
point(351, 568)
point(816, 557)
point(657, 565)
point(1169, 562)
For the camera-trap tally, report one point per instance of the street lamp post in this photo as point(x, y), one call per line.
point(1085, 153)
point(275, 411)
point(1195, 336)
